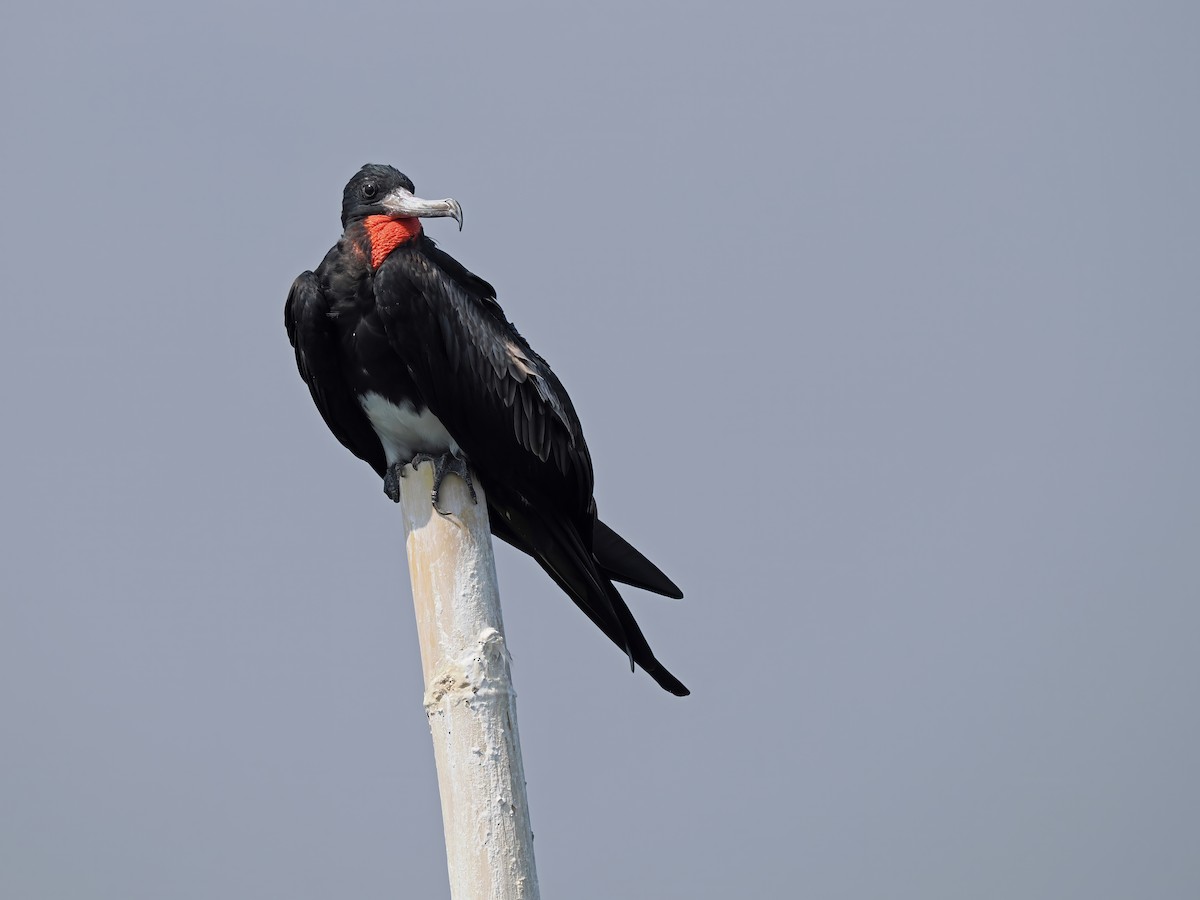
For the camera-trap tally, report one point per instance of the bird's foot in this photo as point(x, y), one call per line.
point(391, 481)
point(442, 466)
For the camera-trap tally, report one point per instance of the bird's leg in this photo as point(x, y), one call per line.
point(442, 466)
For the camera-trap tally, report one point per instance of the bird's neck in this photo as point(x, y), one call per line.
point(385, 234)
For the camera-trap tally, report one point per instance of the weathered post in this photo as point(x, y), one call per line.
point(469, 697)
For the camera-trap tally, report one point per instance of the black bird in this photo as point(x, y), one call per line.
point(409, 358)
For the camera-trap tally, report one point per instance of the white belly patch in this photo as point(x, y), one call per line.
point(403, 431)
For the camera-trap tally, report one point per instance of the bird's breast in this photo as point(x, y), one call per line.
point(405, 429)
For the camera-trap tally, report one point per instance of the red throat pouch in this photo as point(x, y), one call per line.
point(386, 234)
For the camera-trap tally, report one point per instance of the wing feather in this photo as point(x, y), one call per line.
point(505, 405)
point(311, 333)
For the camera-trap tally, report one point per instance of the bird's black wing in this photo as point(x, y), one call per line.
point(312, 335)
point(496, 396)
point(513, 419)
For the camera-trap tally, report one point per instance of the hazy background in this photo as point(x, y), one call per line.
point(882, 320)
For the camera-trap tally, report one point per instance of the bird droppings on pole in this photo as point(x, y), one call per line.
point(469, 696)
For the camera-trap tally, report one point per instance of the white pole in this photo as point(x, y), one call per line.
point(469, 697)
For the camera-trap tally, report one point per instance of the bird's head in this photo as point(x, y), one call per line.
point(380, 208)
point(383, 191)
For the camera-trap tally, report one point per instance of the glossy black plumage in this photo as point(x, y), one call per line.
point(409, 352)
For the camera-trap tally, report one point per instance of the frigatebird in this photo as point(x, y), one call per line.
point(409, 358)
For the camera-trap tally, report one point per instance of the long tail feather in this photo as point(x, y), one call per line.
point(621, 561)
point(559, 550)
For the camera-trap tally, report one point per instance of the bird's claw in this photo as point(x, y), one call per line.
point(391, 481)
point(442, 466)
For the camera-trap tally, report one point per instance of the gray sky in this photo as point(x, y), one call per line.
point(882, 322)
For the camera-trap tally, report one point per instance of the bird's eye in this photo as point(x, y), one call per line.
point(369, 190)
